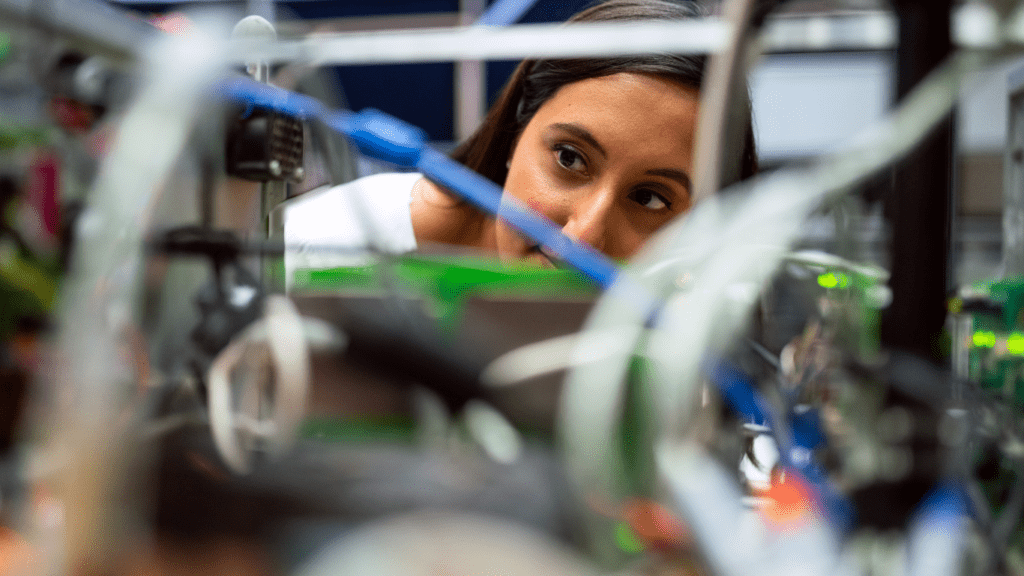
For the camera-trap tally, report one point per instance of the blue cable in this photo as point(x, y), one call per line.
point(739, 392)
point(947, 500)
point(505, 12)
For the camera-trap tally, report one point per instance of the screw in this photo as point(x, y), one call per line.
point(275, 167)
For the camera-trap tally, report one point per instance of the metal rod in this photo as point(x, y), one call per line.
point(919, 207)
point(470, 84)
point(869, 31)
point(724, 107)
point(485, 43)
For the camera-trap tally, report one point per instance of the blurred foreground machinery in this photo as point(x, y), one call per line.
point(732, 403)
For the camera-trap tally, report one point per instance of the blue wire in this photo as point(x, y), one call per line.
point(739, 392)
point(947, 500)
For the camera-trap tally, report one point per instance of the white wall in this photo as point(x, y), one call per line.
point(807, 103)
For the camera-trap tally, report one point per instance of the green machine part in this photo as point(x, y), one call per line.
point(988, 349)
point(861, 295)
point(990, 335)
point(448, 282)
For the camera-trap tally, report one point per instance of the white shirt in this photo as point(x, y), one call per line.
point(344, 225)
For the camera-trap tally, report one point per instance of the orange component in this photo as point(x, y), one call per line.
point(789, 502)
point(654, 524)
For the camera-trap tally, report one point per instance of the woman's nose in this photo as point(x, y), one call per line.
point(589, 221)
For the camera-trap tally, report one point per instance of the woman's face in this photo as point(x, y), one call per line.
point(608, 159)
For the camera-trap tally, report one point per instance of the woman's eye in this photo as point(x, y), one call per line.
point(570, 159)
point(650, 199)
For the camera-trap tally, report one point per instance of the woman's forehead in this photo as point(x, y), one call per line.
point(627, 109)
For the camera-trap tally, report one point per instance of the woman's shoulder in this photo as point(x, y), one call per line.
point(405, 207)
point(440, 217)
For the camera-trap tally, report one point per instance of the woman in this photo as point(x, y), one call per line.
point(601, 146)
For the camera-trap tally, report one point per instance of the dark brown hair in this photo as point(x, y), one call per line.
point(534, 82)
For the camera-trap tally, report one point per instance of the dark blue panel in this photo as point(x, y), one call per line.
point(146, 9)
point(554, 10)
point(308, 8)
point(344, 8)
point(497, 75)
point(543, 11)
point(418, 93)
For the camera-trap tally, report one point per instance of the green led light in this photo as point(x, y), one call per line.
point(833, 280)
point(1015, 344)
point(627, 539)
point(984, 339)
point(828, 280)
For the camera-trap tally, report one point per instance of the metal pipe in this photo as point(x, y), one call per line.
point(919, 208)
point(469, 82)
point(868, 31)
point(724, 106)
point(486, 43)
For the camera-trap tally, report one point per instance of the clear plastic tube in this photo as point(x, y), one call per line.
point(91, 384)
point(725, 249)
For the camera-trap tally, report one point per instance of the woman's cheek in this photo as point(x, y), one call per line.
point(551, 197)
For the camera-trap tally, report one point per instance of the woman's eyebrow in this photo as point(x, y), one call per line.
point(672, 174)
point(581, 133)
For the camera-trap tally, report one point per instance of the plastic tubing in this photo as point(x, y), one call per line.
point(729, 241)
